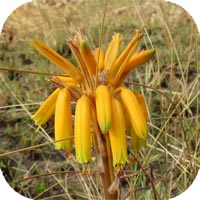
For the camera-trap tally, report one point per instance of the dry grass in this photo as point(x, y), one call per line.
point(170, 83)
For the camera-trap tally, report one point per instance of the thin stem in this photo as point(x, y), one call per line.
point(112, 177)
point(30, 72)
point(107, 173)
point(32, 147)
point(102, 147)
point(53, 173)
point(100, 40)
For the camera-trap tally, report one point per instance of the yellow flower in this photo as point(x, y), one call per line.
point(139, 59)
point(103, 107)
point(112, 51)
point(135, 113)
point(57, 59)
point(99, 57)
point(82, 130)
point(63, 121)
point(88, 57)
point(121, 62)
point(137, 142)
point(94, 87)
point(46, 110)
point(117, 135)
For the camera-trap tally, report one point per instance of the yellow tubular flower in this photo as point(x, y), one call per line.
point(117, 135)
point(88, 81)
point(139, 59)
point(120, 64)
point(88, 57)
point(57, 59)
point(142, 103)
point(46, 110)
point(136, 142)
point(103, 108)
point(82, 130)
point(135, 112)
point(99, 57)
point(67, 80)
point(63, 121)
point(112, 51)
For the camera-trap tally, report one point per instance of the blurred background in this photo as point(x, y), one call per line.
point(171, 158)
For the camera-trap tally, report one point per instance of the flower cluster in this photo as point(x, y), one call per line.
point(102, 104)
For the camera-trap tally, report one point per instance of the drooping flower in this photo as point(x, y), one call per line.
point(136, 142)
point(135, 112)
point(117, 134)
point(95, 86)
point(103, 107)
point(82, 130)
point(47, 109)
point(63, 121)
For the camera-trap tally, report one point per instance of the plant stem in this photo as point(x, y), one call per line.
point(102, 147)
point(108, 148)
point(107, 176)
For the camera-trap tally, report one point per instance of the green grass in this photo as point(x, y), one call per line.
point(171, 158)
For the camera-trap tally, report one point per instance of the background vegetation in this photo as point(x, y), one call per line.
point(171, 159)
